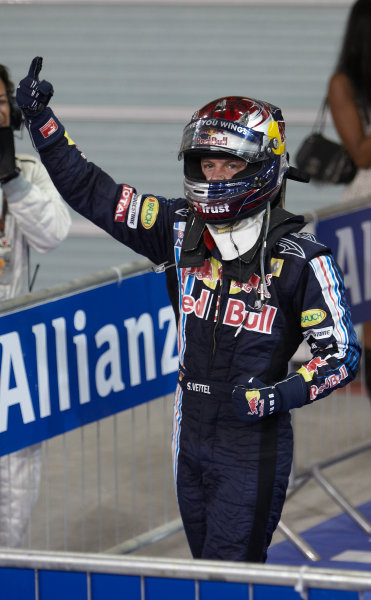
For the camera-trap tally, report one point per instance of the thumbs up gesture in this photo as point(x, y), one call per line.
point(33, 95)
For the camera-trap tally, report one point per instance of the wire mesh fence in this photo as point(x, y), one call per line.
point(106, 482)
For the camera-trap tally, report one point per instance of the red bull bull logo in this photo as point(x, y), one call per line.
point(252, 284)
point(314, 364)
point(255, 402)
point(210, 272)
point(237, 315)
point(308, 370)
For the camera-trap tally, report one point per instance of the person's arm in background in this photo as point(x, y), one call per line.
point(347, 120)
point(36, 205)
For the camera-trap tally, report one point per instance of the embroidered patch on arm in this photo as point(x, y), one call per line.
point(123, 204)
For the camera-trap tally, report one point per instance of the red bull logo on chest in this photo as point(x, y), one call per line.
point(237, 315)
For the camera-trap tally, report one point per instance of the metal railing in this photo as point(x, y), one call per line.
point(158, 572)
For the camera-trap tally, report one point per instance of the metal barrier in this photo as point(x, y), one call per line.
point(41, 576)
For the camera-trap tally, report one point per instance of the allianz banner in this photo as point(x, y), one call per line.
point(77, 359)
point(349, 237)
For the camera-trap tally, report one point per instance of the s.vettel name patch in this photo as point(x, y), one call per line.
point(123, 204)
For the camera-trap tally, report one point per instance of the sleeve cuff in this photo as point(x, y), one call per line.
point(45, 129)
point(293, 392)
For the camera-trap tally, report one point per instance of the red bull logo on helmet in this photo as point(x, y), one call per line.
point(212, 138)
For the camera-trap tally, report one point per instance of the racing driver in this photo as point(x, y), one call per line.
point(252, 285)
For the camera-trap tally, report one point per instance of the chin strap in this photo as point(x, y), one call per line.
point(263, 288)
point(193, 250)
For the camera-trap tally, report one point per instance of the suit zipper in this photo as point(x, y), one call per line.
point(217, 312)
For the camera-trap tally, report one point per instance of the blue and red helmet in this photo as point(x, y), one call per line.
point(246, 128)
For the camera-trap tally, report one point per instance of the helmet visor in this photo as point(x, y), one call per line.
point(221, 135)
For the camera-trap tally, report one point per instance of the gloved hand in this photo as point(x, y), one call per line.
point(255, 400)
point(32, 97)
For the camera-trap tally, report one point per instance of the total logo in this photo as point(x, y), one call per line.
point(123, 204)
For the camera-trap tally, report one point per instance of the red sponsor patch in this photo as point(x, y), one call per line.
point(49, 128)
point(123, 203)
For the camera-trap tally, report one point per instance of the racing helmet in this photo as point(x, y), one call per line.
point(241, 127)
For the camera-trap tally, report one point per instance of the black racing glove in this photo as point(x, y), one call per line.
point(255, 400)
point(33, 97)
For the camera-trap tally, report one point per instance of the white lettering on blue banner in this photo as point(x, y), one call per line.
point(74, 360)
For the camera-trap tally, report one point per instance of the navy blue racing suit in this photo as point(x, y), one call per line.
point(231, 477)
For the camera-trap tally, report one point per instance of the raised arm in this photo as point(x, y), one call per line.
point(142, 222)
point(347, 120)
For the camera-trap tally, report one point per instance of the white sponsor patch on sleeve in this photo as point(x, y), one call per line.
point(319, 334)
point(133, 211)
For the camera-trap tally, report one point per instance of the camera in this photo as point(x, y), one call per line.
point(7, 151)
